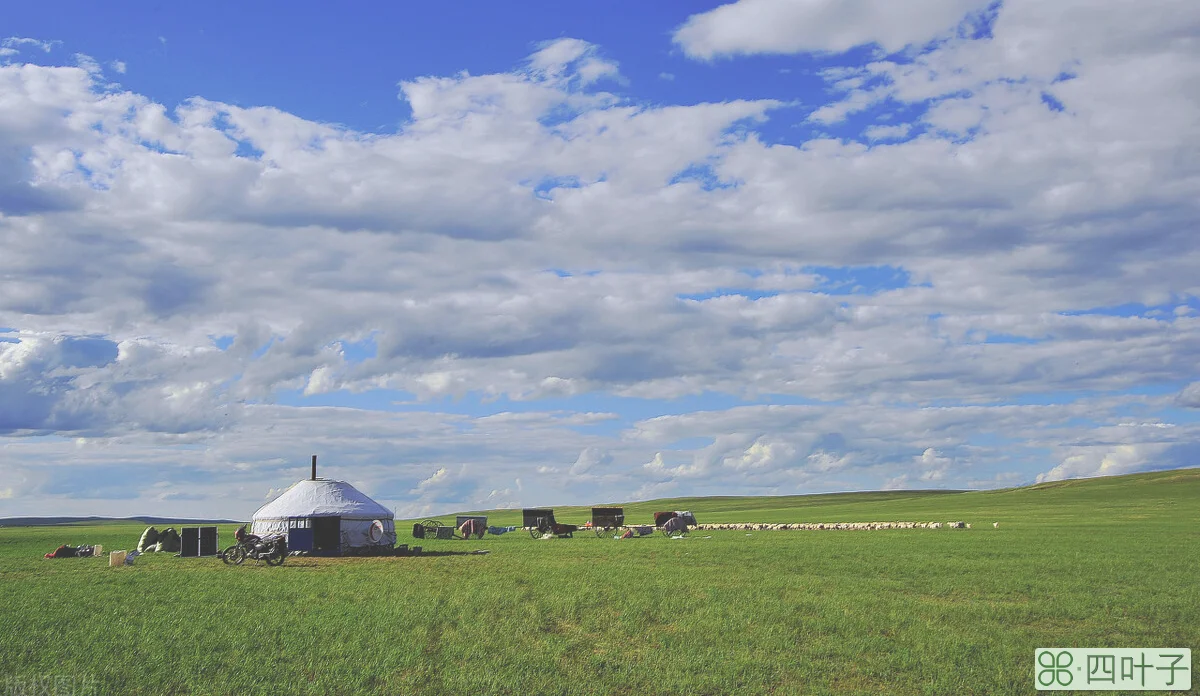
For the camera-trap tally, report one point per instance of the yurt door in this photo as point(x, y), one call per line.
point(300, 534)
point(327, 534)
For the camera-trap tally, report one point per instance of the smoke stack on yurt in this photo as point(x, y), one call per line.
point(327, 518)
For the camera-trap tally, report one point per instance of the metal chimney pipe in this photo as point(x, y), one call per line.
point(314, 474)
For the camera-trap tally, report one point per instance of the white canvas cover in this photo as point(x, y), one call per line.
point(327, 498)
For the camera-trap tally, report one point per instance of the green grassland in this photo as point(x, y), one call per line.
point(1111, 562)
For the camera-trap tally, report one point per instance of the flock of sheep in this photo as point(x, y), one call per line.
point(754, 527)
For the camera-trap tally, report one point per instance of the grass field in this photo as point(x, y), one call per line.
point(1109, 562)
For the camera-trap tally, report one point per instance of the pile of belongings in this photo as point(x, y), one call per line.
point(636, 531)
point(153, 540)
point(65, 551)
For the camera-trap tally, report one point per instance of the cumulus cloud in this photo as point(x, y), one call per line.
point(18, 482)
point(933, 466)
point(559, 58)
point(659, 468)
point(843, 313)
point(893, 132)
point(1121, 459)
point(795, 26)
point(763, 455)
point(588, 460)
point(1189, 396)
point(930, 469)
point(88, 63)
point(824, 462)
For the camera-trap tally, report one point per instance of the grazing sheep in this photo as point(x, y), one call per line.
point(813, 526)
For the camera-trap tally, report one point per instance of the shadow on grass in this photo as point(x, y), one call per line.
point(313, 562)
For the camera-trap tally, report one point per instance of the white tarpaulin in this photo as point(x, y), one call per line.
point(325, 498)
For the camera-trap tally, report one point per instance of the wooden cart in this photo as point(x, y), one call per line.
point(606, 520)
point(540, 522)
point(432, 529)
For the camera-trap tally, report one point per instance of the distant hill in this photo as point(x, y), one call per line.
point(51, 521)
point(1172, 490)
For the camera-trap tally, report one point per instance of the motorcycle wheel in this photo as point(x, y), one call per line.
point(236, 555)
point(276, 558)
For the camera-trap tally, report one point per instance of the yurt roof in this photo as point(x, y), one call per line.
point(322, 497)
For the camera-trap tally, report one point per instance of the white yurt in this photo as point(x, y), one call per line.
point(327, 517)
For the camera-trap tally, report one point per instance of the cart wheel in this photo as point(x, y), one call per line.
point(535, 533)
point(431, 527)
point(601, 532)
point(665, 532)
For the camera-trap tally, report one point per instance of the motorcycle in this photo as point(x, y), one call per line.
point(271, 548)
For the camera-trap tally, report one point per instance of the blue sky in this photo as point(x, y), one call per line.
point(480, 255)
point(318, 63)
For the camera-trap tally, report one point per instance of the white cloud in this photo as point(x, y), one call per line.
point(438, 478)
point(320, 382)
point(588, 461)
point(765, 454)
point(824, 462)
point(118, 66)
point(893, 132)
point(88, 63)
point(658, 467)
point(796, 26)
point(932, 465)
point(562, 57)
point(1102, 461)
point(1190, 396)
point(13, 45)
point(137, 236)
